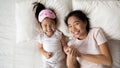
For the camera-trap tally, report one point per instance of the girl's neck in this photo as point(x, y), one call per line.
point(49, 35)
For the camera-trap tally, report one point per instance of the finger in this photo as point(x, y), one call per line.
point(66, 50)
point(77, 53)
point(72, 52)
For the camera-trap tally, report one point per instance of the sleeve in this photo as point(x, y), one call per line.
point(69, 43)
point(59, 34)
point(39, 38)
point(100, 37)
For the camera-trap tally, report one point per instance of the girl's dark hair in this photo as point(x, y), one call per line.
point(80, 15)
point(39, 7)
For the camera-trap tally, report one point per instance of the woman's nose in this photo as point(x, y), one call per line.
point(73, 28)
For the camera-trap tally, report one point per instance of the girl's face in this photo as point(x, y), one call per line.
point(48, 26)
point(77, 27)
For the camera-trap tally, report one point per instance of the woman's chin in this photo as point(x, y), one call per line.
point(77, 36)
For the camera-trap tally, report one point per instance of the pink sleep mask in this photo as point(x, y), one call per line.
point(46, 13)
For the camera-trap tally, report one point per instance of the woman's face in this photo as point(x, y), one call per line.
point(77, 27)
point(48, 26)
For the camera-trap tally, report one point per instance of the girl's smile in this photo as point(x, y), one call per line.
point(48, 26)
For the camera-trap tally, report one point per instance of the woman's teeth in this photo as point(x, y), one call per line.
point(76, 32)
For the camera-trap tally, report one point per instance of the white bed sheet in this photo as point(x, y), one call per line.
point(114, 46)
point(26, 54)
point(7, 33)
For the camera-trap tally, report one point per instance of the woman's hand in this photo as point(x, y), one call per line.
point(72, 62)
point(72, 51)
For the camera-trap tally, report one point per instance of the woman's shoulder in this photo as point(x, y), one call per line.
point(95, 29)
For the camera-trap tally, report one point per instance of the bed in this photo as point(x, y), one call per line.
point(18, 28)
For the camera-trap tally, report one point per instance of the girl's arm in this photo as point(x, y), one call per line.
point(46, 54)
point(64, 43)
point(103, 58)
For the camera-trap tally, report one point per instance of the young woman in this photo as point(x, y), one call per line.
point(89, 47)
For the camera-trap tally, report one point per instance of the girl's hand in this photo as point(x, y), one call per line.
point(48, 55)
point(67, 50)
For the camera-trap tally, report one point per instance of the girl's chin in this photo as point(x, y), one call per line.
point(49, 34)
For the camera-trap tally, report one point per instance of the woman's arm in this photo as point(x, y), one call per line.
point(103, 58)
point(46, 54)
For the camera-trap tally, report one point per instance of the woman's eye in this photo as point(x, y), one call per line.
point(76, 23)
point(69, 26)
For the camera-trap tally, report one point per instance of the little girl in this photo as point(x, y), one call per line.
point(51, 41)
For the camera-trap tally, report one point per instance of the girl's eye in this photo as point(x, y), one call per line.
point(52, 23)
point(45, 25)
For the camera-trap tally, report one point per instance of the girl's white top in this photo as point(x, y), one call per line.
point(52, 45)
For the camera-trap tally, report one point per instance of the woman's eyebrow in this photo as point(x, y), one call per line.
point(76, 21)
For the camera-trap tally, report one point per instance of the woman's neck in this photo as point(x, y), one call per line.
point(84, 36)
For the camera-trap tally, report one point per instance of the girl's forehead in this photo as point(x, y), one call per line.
point(48, 21)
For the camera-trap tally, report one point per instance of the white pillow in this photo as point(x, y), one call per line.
point(26, 22)
point(104, 14)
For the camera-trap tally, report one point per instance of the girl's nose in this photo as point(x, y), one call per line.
point(48, 27)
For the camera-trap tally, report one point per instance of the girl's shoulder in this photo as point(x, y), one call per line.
point(40, 35)
point(58, 32)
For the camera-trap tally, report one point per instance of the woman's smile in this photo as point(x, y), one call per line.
point(76, 32)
